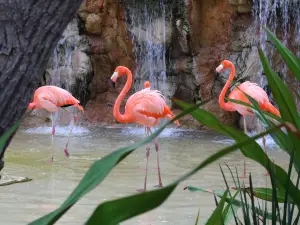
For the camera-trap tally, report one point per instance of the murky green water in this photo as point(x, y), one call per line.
point(181, 150)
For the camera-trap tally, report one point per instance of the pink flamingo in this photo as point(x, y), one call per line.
point(50, 98)
point(251, 89)
point(145, 107)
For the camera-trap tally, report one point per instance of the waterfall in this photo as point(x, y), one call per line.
point(146, 22)
point(61, 69)
point(70, 67)
point(282, 17)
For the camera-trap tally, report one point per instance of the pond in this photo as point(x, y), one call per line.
point(180, 151)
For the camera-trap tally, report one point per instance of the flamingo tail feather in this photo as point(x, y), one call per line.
point(268, 107)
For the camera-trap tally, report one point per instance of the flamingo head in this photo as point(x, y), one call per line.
point(119, 71)
point(224, 65)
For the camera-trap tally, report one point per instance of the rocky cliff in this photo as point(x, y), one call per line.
point(183, 40)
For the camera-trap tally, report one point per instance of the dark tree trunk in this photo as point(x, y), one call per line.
point(29, 31)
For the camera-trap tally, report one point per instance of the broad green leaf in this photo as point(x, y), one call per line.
point(216, 217)
point(121, 212)
point(98, 171)
point(290, 59)
point(283, 140)
point(252, 150)
point(282, 95)
point(264, 193)
point(286, 103)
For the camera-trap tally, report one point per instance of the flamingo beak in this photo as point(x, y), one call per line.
point(114, 78)
point(219, 68)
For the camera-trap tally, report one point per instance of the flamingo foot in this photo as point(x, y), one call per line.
point(267, 174)
point(50, 160)
point(158, 186)
point(243, 177)
point(67, 153)
point(53, 130)
point(141, 190)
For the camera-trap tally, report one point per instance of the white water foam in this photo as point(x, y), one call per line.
point(270, 143)
point(59, 130)
point(168, 132)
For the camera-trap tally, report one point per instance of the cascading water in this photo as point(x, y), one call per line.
point(283, 18)
point(147, 24)
point(69, 68)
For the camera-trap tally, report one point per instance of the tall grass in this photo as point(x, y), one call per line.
point(284, 131)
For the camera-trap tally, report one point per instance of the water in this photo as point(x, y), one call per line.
point(180, 151)
point(147, 25)
point(278, 15)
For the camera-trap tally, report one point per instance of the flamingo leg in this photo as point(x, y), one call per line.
point(245, 131)
point(147, 158)
point(52, 140)
point(68, 139)
point(158, 167)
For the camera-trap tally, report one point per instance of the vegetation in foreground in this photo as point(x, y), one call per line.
point(283, 195)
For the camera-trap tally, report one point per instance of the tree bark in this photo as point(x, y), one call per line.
point(29, 31)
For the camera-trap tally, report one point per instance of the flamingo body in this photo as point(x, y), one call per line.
point(52, 97)
point(251, 89)
point(145, 107)
point(254, 91)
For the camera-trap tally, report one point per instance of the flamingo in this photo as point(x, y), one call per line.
point(51, 98)
point(251, 89)
point(145, 107)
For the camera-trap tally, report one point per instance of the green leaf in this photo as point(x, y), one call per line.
point(284, 98)
point(121, 212)
point(230, 210)
point(216, 217)
point(252, 150)
point(98, 171)
point(290, 59)
point(264, 193)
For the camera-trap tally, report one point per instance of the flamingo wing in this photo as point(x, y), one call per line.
point(251, 89)
point(147, 102)
point(47, 102)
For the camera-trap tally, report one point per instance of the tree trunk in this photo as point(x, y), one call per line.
point(29, 31)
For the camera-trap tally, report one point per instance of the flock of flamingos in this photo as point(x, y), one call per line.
point(147, 107)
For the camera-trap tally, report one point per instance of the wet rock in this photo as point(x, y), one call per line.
point(93, 23)
point(6, 180)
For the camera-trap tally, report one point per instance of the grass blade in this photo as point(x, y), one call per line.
point(254, 216)
point(216, 217)
point(197, 219)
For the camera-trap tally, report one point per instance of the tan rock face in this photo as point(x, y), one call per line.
point(93, 23)
point(105, 27)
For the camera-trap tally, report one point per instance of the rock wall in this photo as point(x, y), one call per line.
point(199, 35)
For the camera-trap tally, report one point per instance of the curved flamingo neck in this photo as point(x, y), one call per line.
point(118, 116)
point(227, 105)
